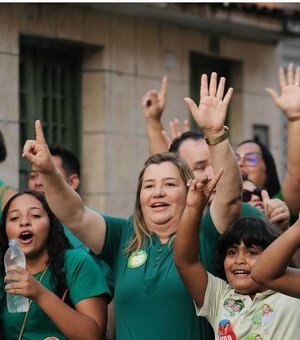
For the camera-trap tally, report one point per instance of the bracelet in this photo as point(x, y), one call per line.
point(293, 119)
point(219, 139)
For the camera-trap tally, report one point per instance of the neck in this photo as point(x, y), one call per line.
point(36, 265)
point(163, 233)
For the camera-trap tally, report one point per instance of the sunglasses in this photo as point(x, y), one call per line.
point(247, 194)
point(250, 158)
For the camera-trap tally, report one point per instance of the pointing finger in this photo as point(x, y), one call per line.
point(40, 138)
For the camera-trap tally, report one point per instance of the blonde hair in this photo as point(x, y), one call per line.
point(140, 229)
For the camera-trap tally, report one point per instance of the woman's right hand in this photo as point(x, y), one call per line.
point(24, 283)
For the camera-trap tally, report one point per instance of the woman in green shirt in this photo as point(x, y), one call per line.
point(67, 291)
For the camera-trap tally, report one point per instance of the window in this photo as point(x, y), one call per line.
point(49, 79)
point(199, 64)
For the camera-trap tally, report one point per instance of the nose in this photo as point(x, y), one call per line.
point(38, 182)
point(24, 221)
point(158, 191)
point(209, 172)
point(240, 258)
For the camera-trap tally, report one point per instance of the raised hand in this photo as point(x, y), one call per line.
point(289, 98)
point(276, 210)
point(154, 102)
point(37, 152)
point(175, 130)
point(200, 191)
point(211, 112)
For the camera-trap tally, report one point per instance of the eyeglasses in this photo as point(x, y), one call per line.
point(247, 194)
point(250, 158)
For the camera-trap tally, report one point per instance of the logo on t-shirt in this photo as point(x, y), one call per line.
point(225, 330)
point(264, 315)
point(232, 306)
point(137, 259)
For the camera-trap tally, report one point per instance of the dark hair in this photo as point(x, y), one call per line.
point(272, 183)
point(251, 231)
point(57, 243)
point(195, 135)
point(3, 152)
point(70, 163)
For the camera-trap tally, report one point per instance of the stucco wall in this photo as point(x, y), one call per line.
point(123, 58)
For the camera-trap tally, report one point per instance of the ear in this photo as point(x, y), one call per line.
point(74, 181)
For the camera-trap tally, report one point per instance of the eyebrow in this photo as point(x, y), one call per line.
point(30, 208)
point(165, 179)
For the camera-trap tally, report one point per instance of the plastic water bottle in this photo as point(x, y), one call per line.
point(15, 256)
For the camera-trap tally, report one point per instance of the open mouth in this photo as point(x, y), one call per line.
point(159, 205)
point(26, 236)
point(241, 272)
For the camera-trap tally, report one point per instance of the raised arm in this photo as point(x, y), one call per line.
point(186, 249)
point(154, 103)
point(66, 204)
point(289, 102)
point(271, 269)
point(210, 116)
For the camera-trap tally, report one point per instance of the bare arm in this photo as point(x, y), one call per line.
point(271, 269)
point(7, 195)
point(88, 317)
point(289, 102)
point(66, 204)
point(186, 249)
point(210, 116)
point(154, 103)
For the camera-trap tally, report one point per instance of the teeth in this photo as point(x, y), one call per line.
point(26, 235)
point(158, 205)
point(241, 272)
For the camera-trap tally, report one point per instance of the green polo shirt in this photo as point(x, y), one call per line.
point(150, 300)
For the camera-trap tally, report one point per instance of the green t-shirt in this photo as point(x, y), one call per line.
point(84, 280)
point(249, 211)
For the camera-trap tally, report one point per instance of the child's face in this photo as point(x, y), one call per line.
point(238, 263)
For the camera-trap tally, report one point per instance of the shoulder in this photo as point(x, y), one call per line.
point(249, 211)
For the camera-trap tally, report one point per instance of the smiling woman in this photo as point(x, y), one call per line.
point(53, 271)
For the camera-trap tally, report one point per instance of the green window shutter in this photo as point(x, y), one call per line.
point(49, 78)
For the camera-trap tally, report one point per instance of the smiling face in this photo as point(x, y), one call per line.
point(28, 222)
point(238, 264)
point(255, 167)
point(162, 197)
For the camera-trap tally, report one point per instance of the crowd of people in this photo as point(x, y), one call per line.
point(193, 259)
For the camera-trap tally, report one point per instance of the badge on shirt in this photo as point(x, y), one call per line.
point(137, 259)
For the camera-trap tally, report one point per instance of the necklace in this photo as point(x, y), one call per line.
point(30, 303)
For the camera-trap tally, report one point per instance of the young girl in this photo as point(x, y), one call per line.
point(279, 276)
point(235, 305)
point(67, 290)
